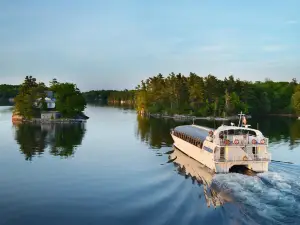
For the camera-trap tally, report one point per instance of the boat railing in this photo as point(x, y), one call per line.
point(232, 141)
point(253, 157)
point(192, 140)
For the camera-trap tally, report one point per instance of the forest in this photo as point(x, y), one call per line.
point(196, 95)
point(210, 96)
point(207, 96)
point(8, 91)
point(110, 96)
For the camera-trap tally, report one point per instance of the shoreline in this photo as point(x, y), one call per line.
point(37, 120)
point(189, 117)
point(284, 115)
point(50, 121)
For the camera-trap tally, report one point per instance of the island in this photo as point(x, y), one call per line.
point(56, 103)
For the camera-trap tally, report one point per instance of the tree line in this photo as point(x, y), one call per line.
point(177, 94)
point(207, 96)
point(110, 96)
point(8, 91)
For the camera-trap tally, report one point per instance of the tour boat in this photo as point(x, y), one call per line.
point(224, 148)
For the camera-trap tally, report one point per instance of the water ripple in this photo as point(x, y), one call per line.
point(269, 198)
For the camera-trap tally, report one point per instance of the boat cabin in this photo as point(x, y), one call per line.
point(224, 147)
point(232, 135)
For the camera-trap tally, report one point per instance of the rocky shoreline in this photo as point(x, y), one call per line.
point(55, 121)
point(190, 117)
point(19, 119)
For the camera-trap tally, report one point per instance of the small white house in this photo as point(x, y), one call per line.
point(50, 103)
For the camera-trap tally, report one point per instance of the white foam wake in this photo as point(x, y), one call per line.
point(269, 198)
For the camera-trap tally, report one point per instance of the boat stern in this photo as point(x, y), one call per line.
point(256, 166)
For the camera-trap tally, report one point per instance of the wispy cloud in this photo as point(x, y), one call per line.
point(274, 48)
point(212, 48)
point(292, 22)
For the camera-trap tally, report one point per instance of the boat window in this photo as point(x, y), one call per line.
point(238, 132)
point(254, 150)
point(217, 149)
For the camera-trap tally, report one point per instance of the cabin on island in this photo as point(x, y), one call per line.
point(50, 100)
point(50, 113)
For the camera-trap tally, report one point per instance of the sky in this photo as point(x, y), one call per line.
point(114, 44)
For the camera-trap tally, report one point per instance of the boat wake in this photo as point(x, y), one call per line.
point(267, 198)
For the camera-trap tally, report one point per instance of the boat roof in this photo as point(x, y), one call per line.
point(193, 131)
point(225, 128)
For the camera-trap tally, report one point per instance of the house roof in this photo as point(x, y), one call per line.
point(47, 99)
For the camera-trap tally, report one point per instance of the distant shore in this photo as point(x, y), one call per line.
point(190, 117)
point(49, 121)
point(55, 121)
point(285, 115)
point(20, 119)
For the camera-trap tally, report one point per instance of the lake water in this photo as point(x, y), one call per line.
point(119, 169)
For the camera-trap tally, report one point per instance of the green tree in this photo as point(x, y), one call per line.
point(69, 100)
point(31, 98)
point(296, 100)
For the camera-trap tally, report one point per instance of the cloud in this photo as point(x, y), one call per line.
point(273, 48)
point(212, 48)
point(292, 22)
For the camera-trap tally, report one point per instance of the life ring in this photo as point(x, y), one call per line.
point(245, 158)
point(253, 141)
point(262, 141)
point(236, 142)
point(227, 142)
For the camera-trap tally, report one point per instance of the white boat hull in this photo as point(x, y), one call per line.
point(205, 155)
point(202, 156)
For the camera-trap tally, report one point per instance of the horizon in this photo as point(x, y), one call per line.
point(114, 45)
point(130, 89)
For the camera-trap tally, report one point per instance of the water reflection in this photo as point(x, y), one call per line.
point(156, 132)
point(60, 139)
point(189, 168)
point(279, 129)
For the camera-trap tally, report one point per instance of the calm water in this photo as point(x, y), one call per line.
point(120, 169)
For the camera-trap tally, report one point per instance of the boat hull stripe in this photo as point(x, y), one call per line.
point(207, 149)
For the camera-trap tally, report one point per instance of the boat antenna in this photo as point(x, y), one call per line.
point(240, 119)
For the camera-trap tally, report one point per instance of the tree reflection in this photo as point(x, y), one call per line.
point(156, 132)
point(60, 139)
point(279, 129)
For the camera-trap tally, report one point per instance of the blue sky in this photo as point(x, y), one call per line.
point(114, 44)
